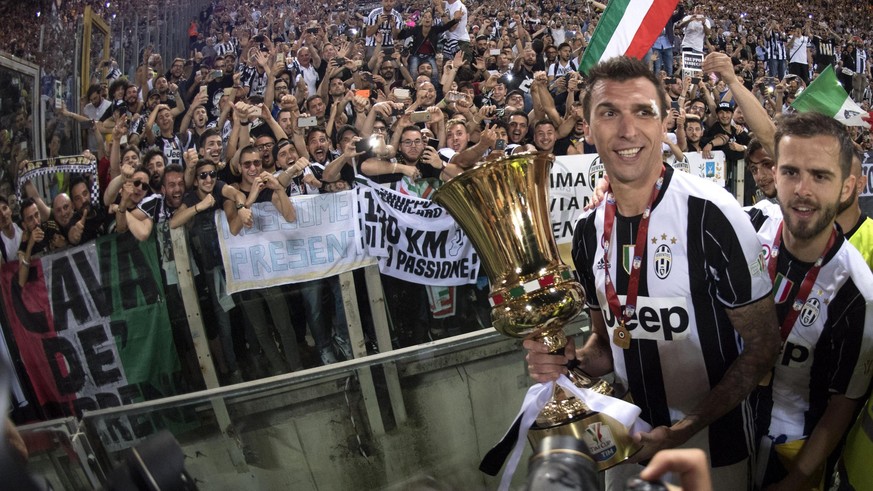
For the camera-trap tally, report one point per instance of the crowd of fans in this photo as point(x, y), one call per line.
point(275, 99)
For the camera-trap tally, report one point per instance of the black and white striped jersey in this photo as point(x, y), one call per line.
point(702, 257)
point(830, 348)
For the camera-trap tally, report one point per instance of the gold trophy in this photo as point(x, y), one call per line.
point(502, 205)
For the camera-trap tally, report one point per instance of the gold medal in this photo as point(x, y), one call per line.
point(621, 336)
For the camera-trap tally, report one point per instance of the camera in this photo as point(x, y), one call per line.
point(562, 463)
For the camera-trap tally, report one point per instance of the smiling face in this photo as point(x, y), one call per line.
point(62, 209)
point(625, 125)
point(204, 185)
point(141, 186)
point(251, 166)
point(809, 184)
point(544, 137)
point(517, 128)
point(427, 93)
point(212, 148)
point(81, 196)
point(130, 157)
point(173, 188)
point(165, 121)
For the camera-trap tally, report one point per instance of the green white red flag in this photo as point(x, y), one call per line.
point(627, 27)
point(825, 95)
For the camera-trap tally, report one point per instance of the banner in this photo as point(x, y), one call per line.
point(93, 332)
point(77, 164)
point(574, 177)
point(415, 239)
point(322, 242)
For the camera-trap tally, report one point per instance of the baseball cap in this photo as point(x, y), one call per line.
point(725, 106)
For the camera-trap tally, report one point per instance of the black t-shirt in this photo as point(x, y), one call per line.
point(203, 234)
point(736, 135)
point(96, 224)
point(41, 246)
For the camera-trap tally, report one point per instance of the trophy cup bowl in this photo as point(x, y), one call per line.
point(503, 206)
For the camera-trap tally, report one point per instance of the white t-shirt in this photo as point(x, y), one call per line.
point(694, 33)
point(12, 244)
point(797, 50)
point(459, 32)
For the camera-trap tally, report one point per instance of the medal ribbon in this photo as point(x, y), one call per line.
point(633, 284)
point(805, 286)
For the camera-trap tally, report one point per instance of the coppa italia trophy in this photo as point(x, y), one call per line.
point(502, 205)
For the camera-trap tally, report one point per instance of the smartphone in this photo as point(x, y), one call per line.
point(433, 143)
point(674, 105)
point(362, 145)
point(340, 61)
point(388, 50)
point(306, 122)
point(217, 73)
point(401, 94)
point(312, 30)
point(362, 93)
point(500, 144)
point(419, 117)
point(494, 51)
point(454, 97)
point(397, 111)
point(228, 91)
point(669, 81)
point(695, 80)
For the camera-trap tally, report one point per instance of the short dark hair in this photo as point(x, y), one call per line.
point(206, 134)
point(247, 150)
point(811, 124)
point(518, 113)
point(312, 131)
point(338, 134)
point(202, 163)
point(25, 204)
point(151, 153)
point(693, 118)
point(94, 89)
point(753, 146)
point(171, 169)
point(544, 122)
point(622, 69)
point(77, 179)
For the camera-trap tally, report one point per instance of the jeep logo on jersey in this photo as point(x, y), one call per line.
point(658, 319)
point(809, 312)
point(595, 172)
point(795, 355)
point(663, 261)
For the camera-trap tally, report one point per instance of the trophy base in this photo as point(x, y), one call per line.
point(608, 441)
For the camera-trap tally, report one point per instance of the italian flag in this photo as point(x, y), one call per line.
point(825, 95)
point(781, 288)
point(627, 27)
